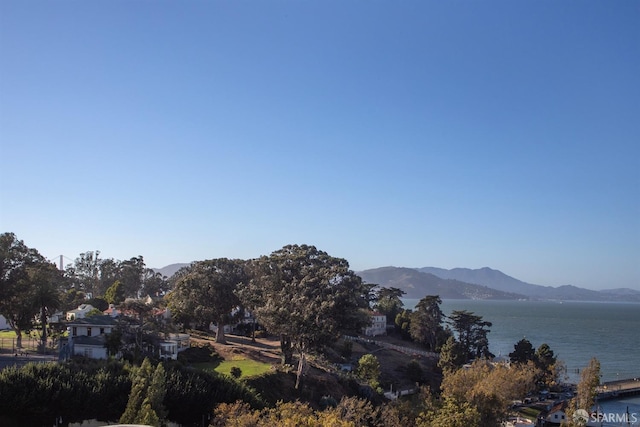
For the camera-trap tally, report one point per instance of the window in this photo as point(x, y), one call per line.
point(101, 331)
point(88, 332)
point(74, 331)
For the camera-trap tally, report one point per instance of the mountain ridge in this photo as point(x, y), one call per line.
point(496, 279)
point(417, 284)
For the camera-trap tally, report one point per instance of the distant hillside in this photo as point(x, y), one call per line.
point(417, 284)
point(488, 277)
point(496, 279)
point(170, 270)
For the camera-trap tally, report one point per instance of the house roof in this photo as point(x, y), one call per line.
point(82, 308)
point(559, 407)
point(93, 321)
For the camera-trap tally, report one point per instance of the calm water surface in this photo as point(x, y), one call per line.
point(575, 331)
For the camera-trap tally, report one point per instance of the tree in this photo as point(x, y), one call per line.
point(154, 284)
point(145, 404)
point(113, 341)
point(426, 322)
point(309, 298)
point(369, 369)
point(72, 297)
point(551, 369)
point(544, 355)
point(99, 303)
point(48, 282)
point(140, 327)
point(523, 352)
point(130, 274)
point(472, 333)
point(403, 324)
point(155, 399)
point(139, 386)
point(388, 302)
point(488, 388)
point(18, 300)
point(250, 291)
point(86, 272)
point(207, 292)
point(586, 391)
point(115, 293)
point(452, 355)
point(235, 372)
point(451, 413)
point(414, 371)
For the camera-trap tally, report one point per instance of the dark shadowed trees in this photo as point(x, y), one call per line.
point(522, 352)
point(388, 302)
point(23, 280)
point(426, 322)
point(48, 284)
point(472, 333)
point(452, 355)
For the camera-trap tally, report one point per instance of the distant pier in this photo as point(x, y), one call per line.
point(619, 388)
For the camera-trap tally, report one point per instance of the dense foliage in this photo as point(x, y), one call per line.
point(82, 389)
point(76, 390)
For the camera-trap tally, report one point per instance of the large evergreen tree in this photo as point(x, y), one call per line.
point(309, 298)
point(452, 355)
point(472, 333)
point(522, 351)
point(139, 387)
point(426, 322)
point(28, 285)
point(207, 292)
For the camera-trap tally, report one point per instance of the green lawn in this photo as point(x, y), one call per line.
point(529, 412)
point(12, 334)
point(248, 367)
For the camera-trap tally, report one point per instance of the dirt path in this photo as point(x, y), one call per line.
point(263, 350)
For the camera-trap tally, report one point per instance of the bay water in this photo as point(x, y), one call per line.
point(575, 331)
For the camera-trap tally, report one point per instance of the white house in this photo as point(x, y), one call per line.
point(174, 344)
point(80, 312)
point(87, 337)
point(556, 414)
point(378, 325)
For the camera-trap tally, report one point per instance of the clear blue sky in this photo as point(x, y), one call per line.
point(415, 133)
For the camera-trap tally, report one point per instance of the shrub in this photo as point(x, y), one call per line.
point(236, 372)
point(199, 354)
point(414, 371)
point(346, 349)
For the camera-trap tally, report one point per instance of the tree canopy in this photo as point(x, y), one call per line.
point(426, 322)
point(206, 293)
point(522, 352)
point(472, 333)
point(29, 285)
point(388, 302)
point(309, 298)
